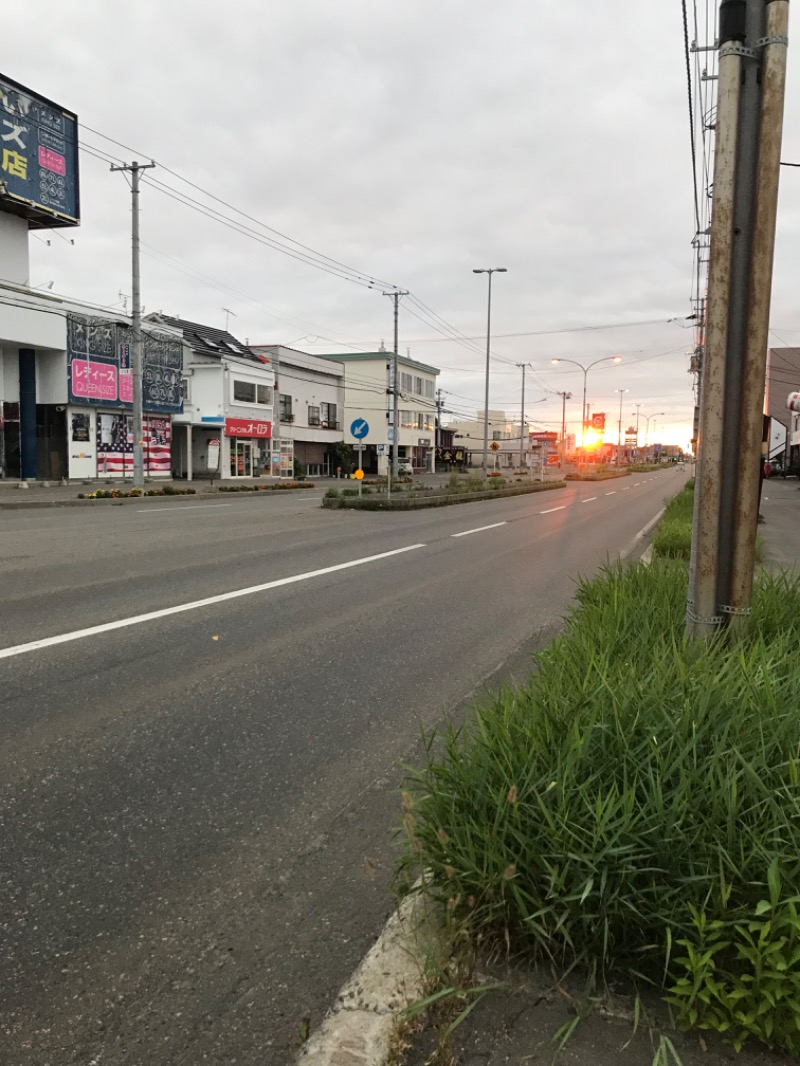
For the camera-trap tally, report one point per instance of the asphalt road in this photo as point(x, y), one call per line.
point(197, 805)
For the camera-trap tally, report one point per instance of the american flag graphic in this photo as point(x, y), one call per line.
point(115, 445)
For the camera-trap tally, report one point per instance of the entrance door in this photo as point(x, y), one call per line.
point(241, 458)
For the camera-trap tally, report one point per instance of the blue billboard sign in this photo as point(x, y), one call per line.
point(38, 158)
point(98, 367)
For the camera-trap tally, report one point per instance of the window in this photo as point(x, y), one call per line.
point(429, 389)
point(406, 419)
point(252, 393)
point(497, 434)
point(313, 416)
point(420, 420)
point(328, 412)
point(418, 386)
point(406, 383)
point(285, 403)
point(185, 393)
point(244, 391)
point(428, 420)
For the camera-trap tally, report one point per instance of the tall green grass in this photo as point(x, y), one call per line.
point(635, 777)
point(673, 538)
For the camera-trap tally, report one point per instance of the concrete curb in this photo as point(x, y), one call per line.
point(643, 532)
point(359, 1028)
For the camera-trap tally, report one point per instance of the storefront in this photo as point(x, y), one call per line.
point(253, 453)
point(100, 444)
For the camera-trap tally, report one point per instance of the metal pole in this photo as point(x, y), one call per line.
point(136, 324)
point(486, 391)
point(619, 440)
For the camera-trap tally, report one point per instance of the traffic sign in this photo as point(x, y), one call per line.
point(360, 447)
point(495, 446)
point(359, 427)
point(359, 474)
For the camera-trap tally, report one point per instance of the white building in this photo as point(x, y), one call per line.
point(503, 434)
point(310, 404)
point(226, 427)
point(368, 398)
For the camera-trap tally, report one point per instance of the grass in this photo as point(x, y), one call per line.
point(636, 781)
point(673, 538)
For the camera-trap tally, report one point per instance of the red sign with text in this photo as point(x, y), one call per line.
point(247, 427)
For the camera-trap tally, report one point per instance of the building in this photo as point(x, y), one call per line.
point(225, 429)
point(66, 385)
point(368, 399)
point(503, 434)
point(783, 377)
point(310, 404)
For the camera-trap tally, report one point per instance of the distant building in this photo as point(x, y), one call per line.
point(368, 398)
point(783, 377)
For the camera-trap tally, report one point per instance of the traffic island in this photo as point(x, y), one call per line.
point(416, 499)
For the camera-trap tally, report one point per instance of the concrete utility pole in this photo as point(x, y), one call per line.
point(136, 324)
point(522, 367)
point(619, 440)
point(752, 73)
point(489, 271)
point(396, 382)
point(564, 397)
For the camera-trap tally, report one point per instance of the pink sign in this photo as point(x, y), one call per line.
point(50, 160)
point(97, 381)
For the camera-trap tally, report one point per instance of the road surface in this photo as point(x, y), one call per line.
point(203, 710)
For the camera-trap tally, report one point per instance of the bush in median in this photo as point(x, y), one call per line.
point(638, 791)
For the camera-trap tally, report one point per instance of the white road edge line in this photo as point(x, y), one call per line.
point(589, 499)
point(551, 509)
point(224, 597)
point(612, 493)
point(480, 529)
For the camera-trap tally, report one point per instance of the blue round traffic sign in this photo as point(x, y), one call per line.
point(359, 428)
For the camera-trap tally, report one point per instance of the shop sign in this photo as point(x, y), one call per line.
point(212, 458)
point(247, 427)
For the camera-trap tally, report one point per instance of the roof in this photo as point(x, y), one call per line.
point(207, 340)
point(364, 357)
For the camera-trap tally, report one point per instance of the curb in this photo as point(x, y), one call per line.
point(643, 532)
point(360, 1026)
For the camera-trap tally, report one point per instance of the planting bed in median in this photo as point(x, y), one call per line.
point(407, 501)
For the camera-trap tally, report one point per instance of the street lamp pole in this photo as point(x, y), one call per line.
point(489, 271)
point(619, 441)
point(586, 369)
point(564, 397)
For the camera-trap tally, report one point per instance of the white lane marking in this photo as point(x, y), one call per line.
point(612, 493)
point(589, 499)
point(480, 529)
point(636, 486)
point(626, 488)
point(189, 507)
point(209, 601)
point(551, 509)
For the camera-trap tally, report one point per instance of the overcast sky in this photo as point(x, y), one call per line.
point(412, 142)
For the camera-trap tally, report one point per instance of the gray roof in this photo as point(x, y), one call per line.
point(206, 340)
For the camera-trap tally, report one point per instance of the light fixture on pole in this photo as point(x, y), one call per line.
point(619, 441)
point(489, 271)
point(586, 369)
point(647, 425)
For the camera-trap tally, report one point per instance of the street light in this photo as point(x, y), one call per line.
point(619, 441)
point(586, 369)
point(647, 425)
point(489, 271)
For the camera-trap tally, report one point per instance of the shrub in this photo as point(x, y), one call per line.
point(333, 494)
point(636, 781)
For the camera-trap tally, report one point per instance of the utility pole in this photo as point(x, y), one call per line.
point(136, 323)
point(522, 418)
point(564, 397)
point(752, 74)
point(619, 440)
point(396, 382)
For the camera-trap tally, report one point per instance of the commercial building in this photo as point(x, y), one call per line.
point(783, 377)
point(310, 403)
point(225, 428)
point(368, 398)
